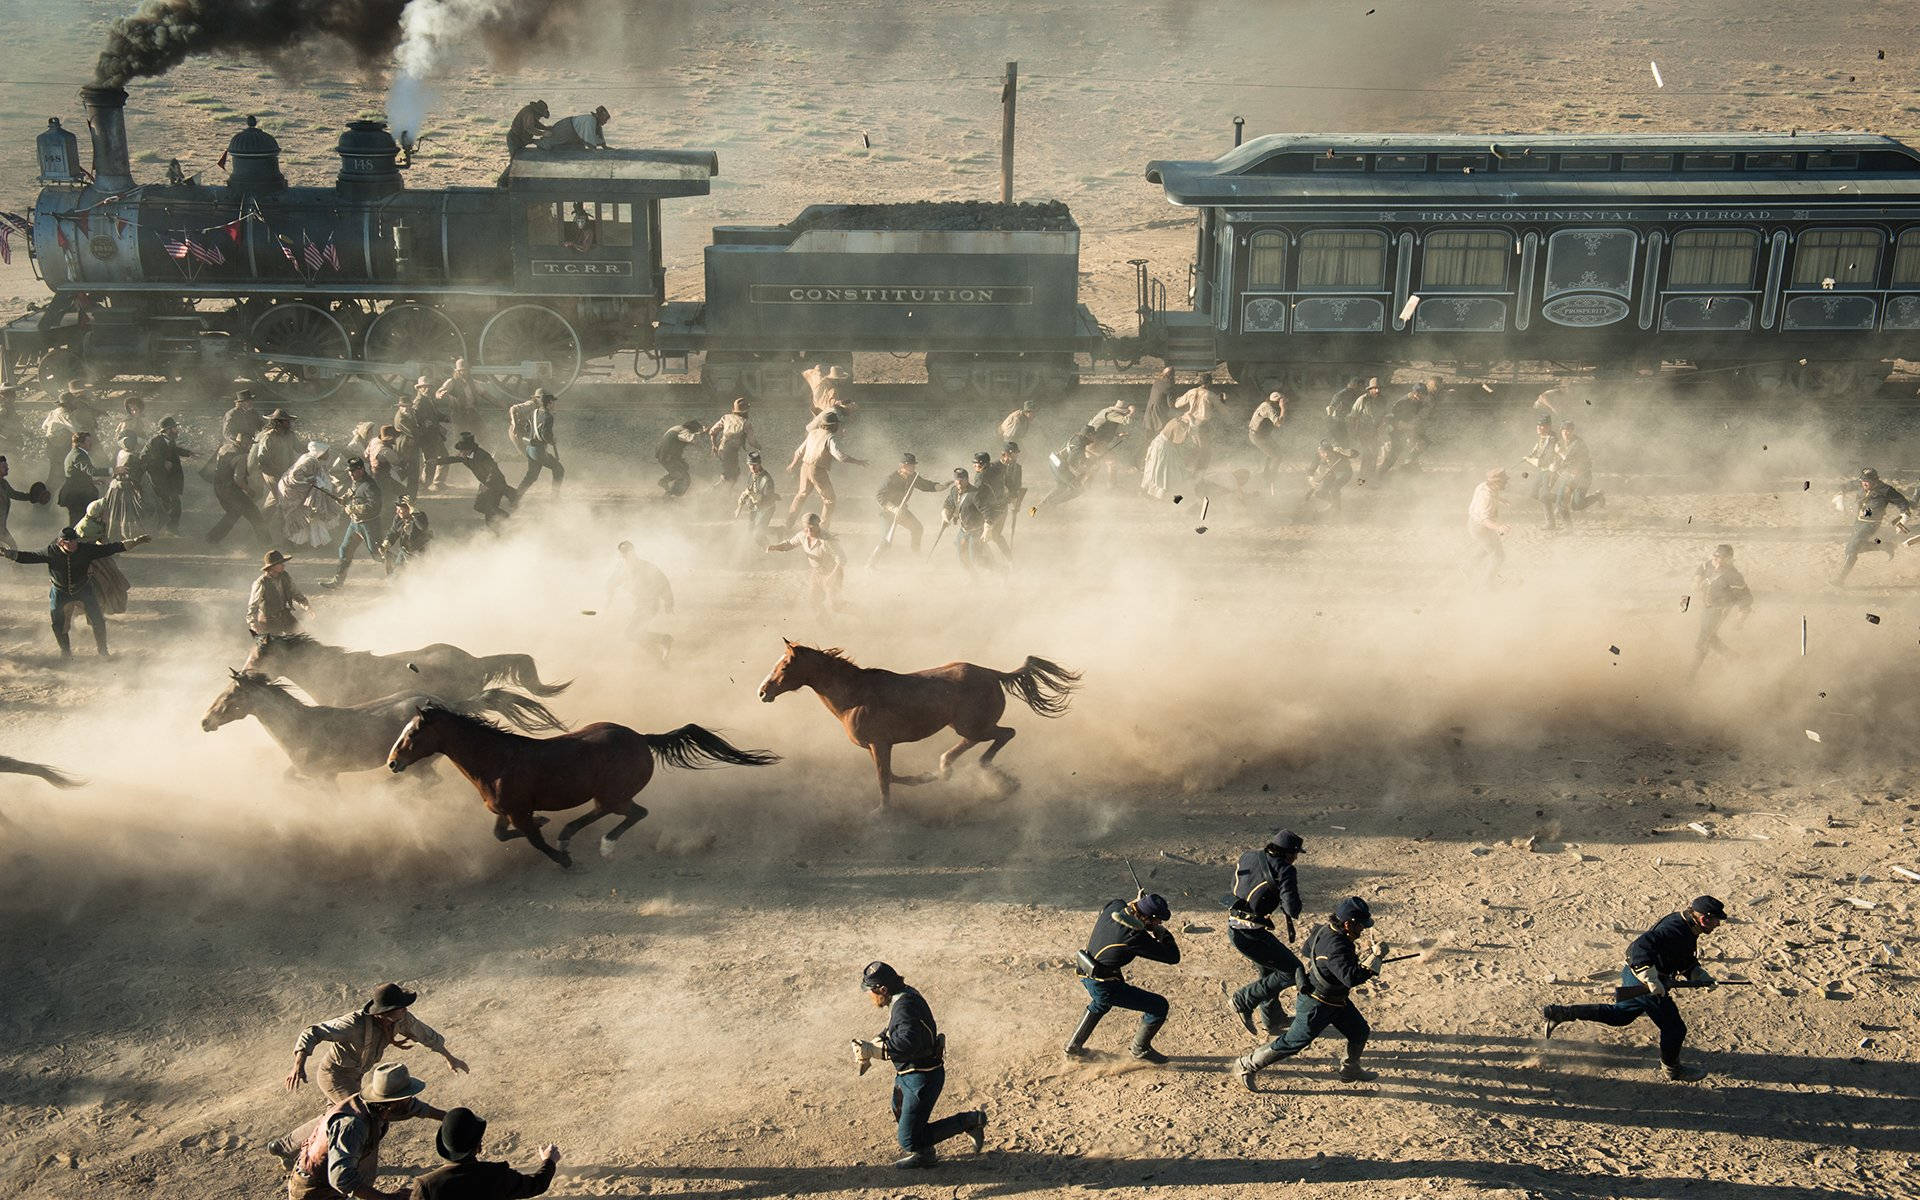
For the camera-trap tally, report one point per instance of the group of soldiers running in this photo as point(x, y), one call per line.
point(336, 1154)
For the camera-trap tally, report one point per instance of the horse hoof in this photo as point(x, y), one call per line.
point(565, 860)
point(606, 847)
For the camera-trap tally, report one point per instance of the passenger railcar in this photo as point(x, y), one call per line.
point(1794, 256)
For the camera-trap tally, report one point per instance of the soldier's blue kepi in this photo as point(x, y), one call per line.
point(880, 975)
point(1287, 839)
point(1154, 905)
point(1708, 906)
point(1353, 908)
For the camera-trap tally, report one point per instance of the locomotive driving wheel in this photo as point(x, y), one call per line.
point(304, 335)
point(528, 335)
point(423, 337)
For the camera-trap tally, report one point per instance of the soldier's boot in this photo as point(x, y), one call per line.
point(1143, 1042)
point(977, 1129)
point(1077, 1044)
point(1245, 1015)
point(916, 1160)
point(1551, 1018)
point(1352, 1072)
point(286, 1154)
point(1683, 1072)
point(1248, 1066)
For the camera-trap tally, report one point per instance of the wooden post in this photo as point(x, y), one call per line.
point(1008, 94)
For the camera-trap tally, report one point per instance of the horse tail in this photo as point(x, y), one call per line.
point(1045, 687)
point(54, 776)
point(523, 711)
point(518, 669)
point(695, 747)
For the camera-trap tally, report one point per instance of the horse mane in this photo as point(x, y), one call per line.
point(259, 680)
point(485, 722)
point(830, 652)
point(294, 639)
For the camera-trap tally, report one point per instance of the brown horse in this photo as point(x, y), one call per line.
point(602, 764)
point(882, 709)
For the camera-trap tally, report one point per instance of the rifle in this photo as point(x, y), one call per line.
point(902, 506)
point(1640, 989)
point(1400, 958)
point(1138, 891)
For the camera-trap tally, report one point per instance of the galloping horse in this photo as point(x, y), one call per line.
point(602, 764)
point(333, 675)
point(882, 709)
point(323, 742)
point(53, 775)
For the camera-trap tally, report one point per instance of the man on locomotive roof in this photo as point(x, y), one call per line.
point(528, 125)
point(582, 132)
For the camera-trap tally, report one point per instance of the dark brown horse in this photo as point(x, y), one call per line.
point(882, 709)
point(602, 764)
point(333, 675)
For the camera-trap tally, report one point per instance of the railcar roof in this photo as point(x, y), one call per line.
point(1281, 167)
point(685, 168)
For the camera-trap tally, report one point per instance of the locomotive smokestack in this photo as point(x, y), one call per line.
point(106, 120)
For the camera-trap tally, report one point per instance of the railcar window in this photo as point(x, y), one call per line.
point(1460, 162)
point(1706, 162)
point(1399, 162)
point(1713, 258)
point(1586, 162)
point(1849, 257)
point(1646, 162)
point(1823, 161)
point(1525, 161)
point(580, 225)
point(1267, 260)
point(1466, 260)
point(1591, 260)
point(1346, 260)
point(1906, 260)
point(1340, 162)
point(1769, 162)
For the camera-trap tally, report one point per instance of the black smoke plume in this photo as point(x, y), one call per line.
point(289, 33)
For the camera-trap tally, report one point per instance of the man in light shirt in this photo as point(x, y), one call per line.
point(1484, 527)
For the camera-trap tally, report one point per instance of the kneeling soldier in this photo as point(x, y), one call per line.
point(1264, 883)
point(1666, 954)
point(1334, 969)
point(917, 1050)
point(1126, 931)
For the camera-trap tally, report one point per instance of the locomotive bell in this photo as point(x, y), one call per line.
point(256, 160)
point(368, 169)
point(59, 155)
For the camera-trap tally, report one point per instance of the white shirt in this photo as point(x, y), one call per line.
point(822, 552)
point(1484, 512)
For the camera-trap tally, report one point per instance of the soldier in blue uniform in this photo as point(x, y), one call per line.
point(1333, 969)
point(1265, 884)
point(1667, 953)
point(1126, 930)
point(913, 1043)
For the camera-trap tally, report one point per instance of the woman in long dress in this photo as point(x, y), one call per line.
point(109, 581)
point(125, 499)
point(308, 511)
point(1169, 462)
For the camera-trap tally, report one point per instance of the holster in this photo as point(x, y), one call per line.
point(1084, 964)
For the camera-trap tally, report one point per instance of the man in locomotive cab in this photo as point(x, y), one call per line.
point(582, 132)
point(582, 232)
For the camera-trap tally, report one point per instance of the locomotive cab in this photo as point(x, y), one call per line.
point(587, 223)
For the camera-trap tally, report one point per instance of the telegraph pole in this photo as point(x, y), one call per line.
point(1009, 92)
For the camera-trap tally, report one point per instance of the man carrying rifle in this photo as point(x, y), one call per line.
point(1264, 884)
point(1334, 969)
point(1125, 930)
point(1662, 958)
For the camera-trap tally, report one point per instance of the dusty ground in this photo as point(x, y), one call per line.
point(1516, 798)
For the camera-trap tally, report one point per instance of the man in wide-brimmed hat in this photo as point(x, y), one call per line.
point(241, 418)
point(36, 494)
point(271, 603)
point(275, 452)
point(354, 1043)
point(530, 424)
point(341, 1156)
point(494, 488)
point(466, 1177)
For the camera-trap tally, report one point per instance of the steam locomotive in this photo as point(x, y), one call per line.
point(1787, 260)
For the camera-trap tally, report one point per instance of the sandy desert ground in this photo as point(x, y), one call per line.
point(1519, 781)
